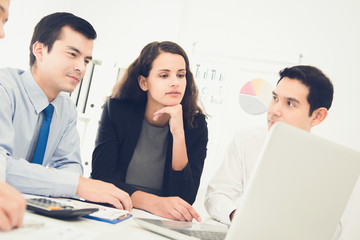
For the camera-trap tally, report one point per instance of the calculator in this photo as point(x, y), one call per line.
point(56, 209)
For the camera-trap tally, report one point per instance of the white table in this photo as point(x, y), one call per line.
point(39, 227)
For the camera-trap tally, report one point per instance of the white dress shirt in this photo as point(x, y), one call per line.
point(229, 182)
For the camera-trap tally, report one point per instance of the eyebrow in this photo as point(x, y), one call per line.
point(167, 70)
point(293, 100)
point(78, 51)
point(289, 98)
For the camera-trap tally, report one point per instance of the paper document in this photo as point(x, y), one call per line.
point(105, 214)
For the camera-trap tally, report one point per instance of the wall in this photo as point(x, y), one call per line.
point(325, 33)
point(123, 27)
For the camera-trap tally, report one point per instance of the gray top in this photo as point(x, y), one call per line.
point(146, 168)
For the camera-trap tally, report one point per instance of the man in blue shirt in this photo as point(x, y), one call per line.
point(12, 203)
point(60, 49)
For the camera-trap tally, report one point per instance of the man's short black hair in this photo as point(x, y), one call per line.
point(321, 89)
point(48, 30)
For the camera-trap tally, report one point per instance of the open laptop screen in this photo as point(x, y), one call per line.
point(299, 188)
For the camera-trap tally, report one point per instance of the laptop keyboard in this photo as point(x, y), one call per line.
point(204, 235)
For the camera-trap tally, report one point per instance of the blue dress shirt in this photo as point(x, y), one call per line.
point(21, 103)
point(2, 166)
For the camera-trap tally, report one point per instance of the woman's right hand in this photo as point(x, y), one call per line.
point(173, 208)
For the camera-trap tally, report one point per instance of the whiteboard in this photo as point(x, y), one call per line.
point(219, 80)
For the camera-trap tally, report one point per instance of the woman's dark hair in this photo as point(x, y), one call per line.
point(128, 88)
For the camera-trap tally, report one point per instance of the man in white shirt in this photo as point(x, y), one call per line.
point(302, 98)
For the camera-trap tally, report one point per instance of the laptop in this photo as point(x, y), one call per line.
point(298, 190)
point(184, 230)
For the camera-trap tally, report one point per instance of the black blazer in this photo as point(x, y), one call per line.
point(118, 134)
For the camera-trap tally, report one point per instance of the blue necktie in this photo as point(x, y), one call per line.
point(43, 136)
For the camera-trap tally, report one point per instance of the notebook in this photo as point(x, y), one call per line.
point(298, 190)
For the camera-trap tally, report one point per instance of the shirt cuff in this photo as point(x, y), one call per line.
point(220, 208)
point(66, 184)
point(227, 210)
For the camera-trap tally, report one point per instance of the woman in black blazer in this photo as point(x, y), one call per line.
point(152, 135)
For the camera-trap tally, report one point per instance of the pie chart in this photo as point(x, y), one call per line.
point(255, 96)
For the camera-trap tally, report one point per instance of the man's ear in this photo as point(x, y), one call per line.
point(318, 116)
point(38, 50)
point(142, 83)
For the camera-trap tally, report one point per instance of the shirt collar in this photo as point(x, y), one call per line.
point(36, 95)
